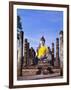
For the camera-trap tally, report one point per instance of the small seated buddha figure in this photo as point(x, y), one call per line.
point(42, 50)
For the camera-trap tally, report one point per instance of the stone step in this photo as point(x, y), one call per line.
point(43, 65)
point(37, 71)
point(30, 67)
point(26, 72)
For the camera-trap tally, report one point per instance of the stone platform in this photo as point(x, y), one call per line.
point(40, 69)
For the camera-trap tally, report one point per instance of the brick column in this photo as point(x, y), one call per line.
point(61, 48)
point(57, 52)
point(28, 57)
point(20, 54)
point(32, 55)
point(52, 54)
point(25, 52)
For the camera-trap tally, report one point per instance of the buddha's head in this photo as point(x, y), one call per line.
point(42, 41)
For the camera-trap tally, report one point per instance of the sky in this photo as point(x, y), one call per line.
point(38, 23)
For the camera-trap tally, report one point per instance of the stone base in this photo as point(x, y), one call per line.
point(38, 71)
point(42, 68)
point(28, 72)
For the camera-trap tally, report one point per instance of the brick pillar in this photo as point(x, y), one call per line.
point(61, 48)
point(28, 57)
point(52, 54)
point(25, 52)
point(20, 54)
point(32, 55)
point(57, 52)
point(49, 55)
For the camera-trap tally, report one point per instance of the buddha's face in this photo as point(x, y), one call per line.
point(42, 42)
